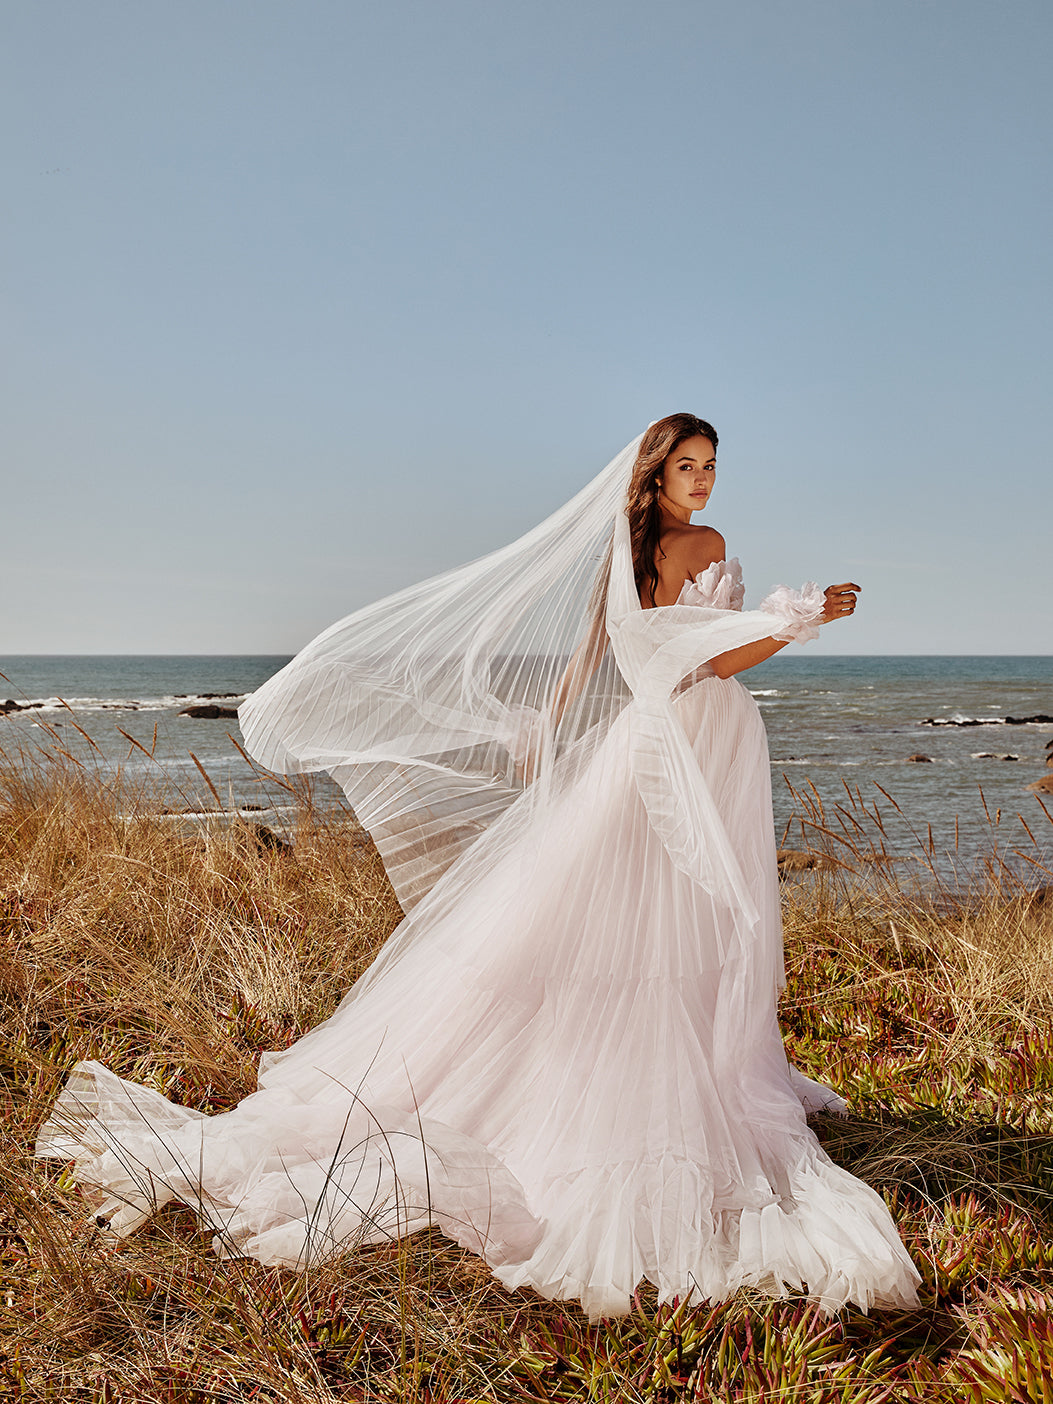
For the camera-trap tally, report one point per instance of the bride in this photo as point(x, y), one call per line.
point(567, 1054)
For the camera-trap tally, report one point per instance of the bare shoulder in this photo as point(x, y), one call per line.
point(685, 551)
point(690, 549)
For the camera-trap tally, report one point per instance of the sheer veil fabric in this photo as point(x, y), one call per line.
point(567, 1054)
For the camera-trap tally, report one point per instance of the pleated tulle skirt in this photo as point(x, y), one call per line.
point(568, 1058)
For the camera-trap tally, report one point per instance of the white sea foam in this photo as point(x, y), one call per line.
point(959, 719)
point(171, 702)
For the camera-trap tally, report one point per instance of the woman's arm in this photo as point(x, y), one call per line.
point(840, 603)
point(737, 660)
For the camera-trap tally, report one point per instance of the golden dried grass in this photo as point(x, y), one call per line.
point(176, 953)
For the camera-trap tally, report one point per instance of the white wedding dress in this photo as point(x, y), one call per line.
point(567, 1055)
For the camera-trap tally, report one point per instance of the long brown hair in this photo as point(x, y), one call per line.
point(641, 507)
point(641, 504)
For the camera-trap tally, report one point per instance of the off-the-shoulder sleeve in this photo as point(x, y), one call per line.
point(719, 586)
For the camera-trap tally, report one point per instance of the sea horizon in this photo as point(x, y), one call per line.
point(955, 740)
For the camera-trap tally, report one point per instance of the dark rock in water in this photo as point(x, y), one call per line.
point(994, 755)
point(9, 706)
point(917, 757)
point(208, 711)
point(965, 721)
point(1039, 719)
point(267, 841)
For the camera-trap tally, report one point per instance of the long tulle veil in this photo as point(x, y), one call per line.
point(423, 705)
point(432, 707)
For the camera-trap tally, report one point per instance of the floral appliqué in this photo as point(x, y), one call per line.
point(719, 586)
point(799, 611)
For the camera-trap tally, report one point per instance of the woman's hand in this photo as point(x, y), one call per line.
point(840, 601)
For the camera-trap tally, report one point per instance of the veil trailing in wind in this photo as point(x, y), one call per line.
point(421, 704)
point(432, 706)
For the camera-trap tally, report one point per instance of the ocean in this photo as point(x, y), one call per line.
point(840, 728)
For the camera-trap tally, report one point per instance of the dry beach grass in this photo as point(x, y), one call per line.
point(176, 954)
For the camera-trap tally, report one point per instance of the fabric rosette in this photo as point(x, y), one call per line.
point(799, 611)
point(719, 586)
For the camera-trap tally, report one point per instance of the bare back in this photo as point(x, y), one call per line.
point(682, 552)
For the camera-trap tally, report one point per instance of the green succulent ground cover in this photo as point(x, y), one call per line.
point(176, 954)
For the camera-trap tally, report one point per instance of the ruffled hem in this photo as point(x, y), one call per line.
point(826, 1235)
point(291, 1184)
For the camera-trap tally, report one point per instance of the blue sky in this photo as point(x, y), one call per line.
point(305, 301)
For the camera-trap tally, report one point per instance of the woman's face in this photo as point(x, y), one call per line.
point(687, 477)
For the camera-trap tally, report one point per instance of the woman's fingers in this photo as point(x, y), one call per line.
point(841, 599)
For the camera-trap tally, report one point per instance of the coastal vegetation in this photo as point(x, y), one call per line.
point(175, 951)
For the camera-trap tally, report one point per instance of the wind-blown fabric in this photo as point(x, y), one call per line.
point(417, 704)
point(567, 1054)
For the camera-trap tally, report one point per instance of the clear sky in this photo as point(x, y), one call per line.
point(304, 301)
